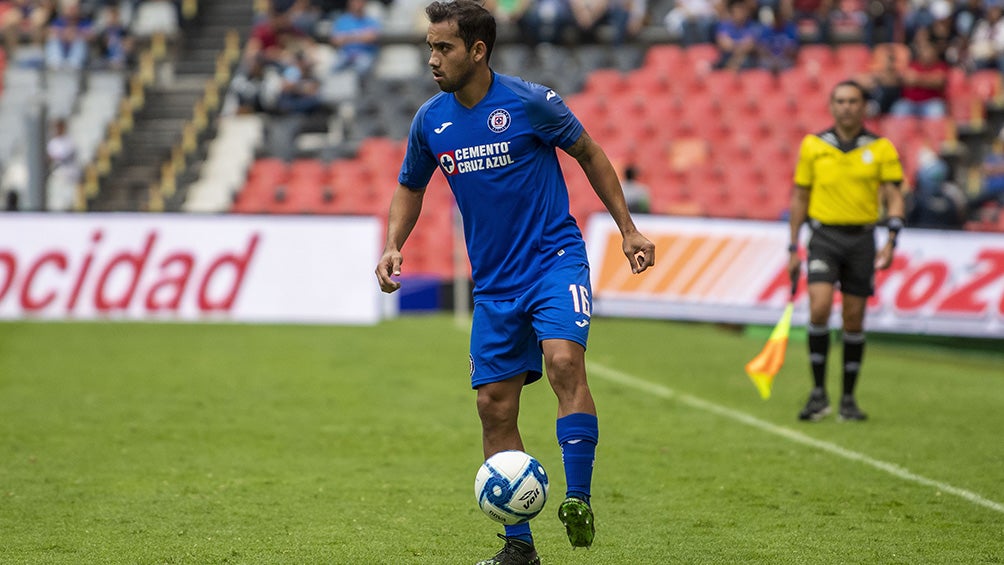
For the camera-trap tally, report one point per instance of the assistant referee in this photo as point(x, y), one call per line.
point(842, 175)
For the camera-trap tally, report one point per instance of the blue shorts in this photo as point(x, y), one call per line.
point(506, 334)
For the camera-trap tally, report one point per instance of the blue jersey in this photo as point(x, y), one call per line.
point(499, 158)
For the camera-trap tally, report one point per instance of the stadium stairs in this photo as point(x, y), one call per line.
point(174, 95)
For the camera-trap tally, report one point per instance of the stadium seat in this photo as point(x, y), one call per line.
point(986, 85)
point(312, 170)
point(701, 57)
point(605, 82)
point(669, 59)
point(814, 56)
point(854, 58)
point(652, 81)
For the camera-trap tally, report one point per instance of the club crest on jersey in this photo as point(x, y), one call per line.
point(448, 163)
point(499, 120)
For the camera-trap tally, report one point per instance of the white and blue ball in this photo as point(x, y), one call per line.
point(511, 487)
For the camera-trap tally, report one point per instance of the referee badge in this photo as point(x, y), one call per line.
point(499, 120)
point(866, 157)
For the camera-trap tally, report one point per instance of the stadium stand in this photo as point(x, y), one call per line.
point(166, 134)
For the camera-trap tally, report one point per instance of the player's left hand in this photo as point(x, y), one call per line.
point(639, 251)
point(883, 260)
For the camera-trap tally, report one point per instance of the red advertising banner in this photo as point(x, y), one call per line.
point(156, 267)
point(949, 283)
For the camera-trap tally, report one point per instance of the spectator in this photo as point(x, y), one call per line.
point(549, 21)
point(924, 85)
point(986, 46)
point(627, 18)
point(637, 194)
point(587, 15)
point(273, 39)
point(848, 22)
point(941, 32)
point(936, 202)
point(882, 22)
point(883, 81)
point(508, 13)
point(812, 17)
point(916, 17)
point(300, 88)
point(69, 39)
point(965, 17)
point(736, 38)
point(992, 172)
point(113, 41)
point(248, 88)
point(778, 43)
point(64, 170)
point(25, 21)
point(693, 21)
point(356, 36)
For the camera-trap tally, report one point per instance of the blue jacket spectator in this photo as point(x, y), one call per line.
point(356, 36)
point(736, 37)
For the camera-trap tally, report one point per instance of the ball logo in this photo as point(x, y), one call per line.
point(499, 120)
point(448, 163)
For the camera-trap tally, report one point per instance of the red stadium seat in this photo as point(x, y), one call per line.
point(816, 55)
point(311, 169)
point(653, 82)
point(269, 169)
point(300, 196)
point(701, 57)
point(986, 85)
point(665, 58)
point(605, 82)
point(758, 84)
point(854, 58)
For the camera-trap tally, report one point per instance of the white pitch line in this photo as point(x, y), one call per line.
point(623, 378)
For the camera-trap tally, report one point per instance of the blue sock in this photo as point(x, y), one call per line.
point(520, 532)
point(577, 436)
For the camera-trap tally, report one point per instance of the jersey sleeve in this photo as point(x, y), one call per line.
point(803, 169)
point(419, 162)
point(890, 167)
point(551, 118)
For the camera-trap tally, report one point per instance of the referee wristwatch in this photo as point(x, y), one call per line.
point(793, 248)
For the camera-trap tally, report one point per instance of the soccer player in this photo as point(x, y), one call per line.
point(494, 138)
point(842, 175)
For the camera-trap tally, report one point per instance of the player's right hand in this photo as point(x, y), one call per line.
point(389, 266)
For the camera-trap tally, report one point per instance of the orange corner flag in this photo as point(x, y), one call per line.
point(765, 366)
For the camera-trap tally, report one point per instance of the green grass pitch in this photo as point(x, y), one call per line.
point(224, 444)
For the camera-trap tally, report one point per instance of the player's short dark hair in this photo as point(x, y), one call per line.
point(855, 84)
point(474, 22)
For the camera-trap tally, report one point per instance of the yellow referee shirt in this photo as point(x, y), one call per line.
point(844, 179)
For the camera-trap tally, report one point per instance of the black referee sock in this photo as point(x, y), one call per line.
point(819, 350)
point(854, 352)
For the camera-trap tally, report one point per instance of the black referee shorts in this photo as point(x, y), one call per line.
point(843, 254)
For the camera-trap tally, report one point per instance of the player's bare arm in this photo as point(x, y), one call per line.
point(895, 208)
point(797, 216)
point(603, 178)
point(405, 207)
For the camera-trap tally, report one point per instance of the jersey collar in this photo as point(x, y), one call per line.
point(863, 138)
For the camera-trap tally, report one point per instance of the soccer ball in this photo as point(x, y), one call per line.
point(511, 487)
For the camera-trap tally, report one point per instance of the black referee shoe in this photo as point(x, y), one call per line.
point(849, 410)
point(817, 407)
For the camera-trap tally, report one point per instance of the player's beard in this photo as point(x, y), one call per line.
point(464, 77)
